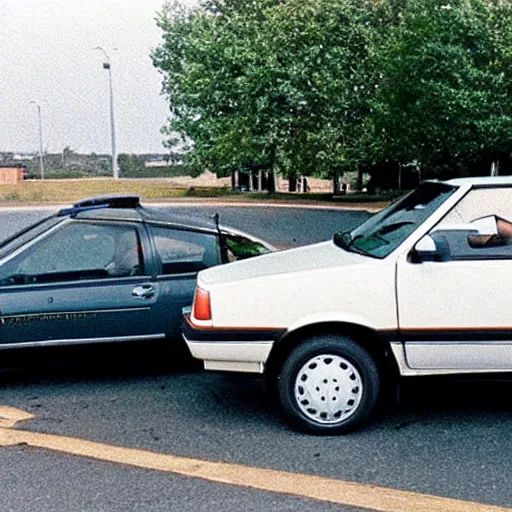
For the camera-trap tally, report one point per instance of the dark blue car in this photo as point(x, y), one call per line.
point(108, 270)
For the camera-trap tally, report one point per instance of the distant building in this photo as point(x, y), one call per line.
point(12, 175)
point(156, 163)
point(159, 160)
point(23, 157)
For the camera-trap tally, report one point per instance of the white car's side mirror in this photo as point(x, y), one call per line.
point(430, 248)
point(426, 244)
point(487, 233)
point(485, 226)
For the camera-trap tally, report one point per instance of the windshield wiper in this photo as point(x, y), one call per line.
point(342, 239)
point(357, 237)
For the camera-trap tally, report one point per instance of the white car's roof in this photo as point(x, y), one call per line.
point(482, 180)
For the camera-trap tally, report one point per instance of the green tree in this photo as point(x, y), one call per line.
point(444, 95)
point(276, 84)
point(318, 86)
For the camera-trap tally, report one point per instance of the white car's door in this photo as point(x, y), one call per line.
point(456, 315)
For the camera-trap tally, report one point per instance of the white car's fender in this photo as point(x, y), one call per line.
point(331, 317)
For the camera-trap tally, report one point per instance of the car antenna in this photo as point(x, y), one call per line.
point(222, 239)
point(216, 220)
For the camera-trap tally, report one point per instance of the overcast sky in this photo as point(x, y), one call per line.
point(46, 55)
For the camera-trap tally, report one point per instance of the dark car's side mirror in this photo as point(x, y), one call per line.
point(430, 248)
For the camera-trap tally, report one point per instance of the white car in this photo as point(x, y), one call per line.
point(424, 287)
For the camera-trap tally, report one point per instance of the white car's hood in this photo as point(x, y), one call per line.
point(309, 257)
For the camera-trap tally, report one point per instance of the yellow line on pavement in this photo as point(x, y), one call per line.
point(9, 416)
point(364, 496)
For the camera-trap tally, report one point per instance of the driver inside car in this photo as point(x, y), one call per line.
point(126, 260)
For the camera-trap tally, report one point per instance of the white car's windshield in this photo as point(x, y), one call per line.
point(385, 231)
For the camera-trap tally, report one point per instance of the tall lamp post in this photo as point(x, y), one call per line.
point(106, 65)
point(41, 165)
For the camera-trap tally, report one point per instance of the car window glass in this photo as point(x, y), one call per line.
point(240, 248)
point(21, 238)
point(127, 259)
point(77, 251)
point(478, 204)
point(183, 251)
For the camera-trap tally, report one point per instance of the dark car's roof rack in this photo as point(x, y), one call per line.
point(102, 202)
point(99, 208)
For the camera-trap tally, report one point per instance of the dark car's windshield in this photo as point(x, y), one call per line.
point(385, 231)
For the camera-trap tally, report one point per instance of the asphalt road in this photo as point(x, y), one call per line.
point(286, 226)
point(447, 437)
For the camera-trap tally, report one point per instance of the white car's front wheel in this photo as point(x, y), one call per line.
point(328, 385)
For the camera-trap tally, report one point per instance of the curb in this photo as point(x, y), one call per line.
point(318, 205)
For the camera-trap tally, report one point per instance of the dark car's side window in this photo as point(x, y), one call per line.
point(182, 251)
point(77, 251)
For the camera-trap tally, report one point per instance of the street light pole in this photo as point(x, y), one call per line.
point(106, 65)
point(41, 165)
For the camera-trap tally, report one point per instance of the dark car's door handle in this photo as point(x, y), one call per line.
point(144, 291)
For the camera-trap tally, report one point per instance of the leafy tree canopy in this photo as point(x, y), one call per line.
point(323, 86)
point(443, 97)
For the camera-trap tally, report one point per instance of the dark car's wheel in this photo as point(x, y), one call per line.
point(328, 385)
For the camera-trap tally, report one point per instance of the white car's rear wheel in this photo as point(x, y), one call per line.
point(328, 385)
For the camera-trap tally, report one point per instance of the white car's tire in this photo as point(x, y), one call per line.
point(328, 385)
